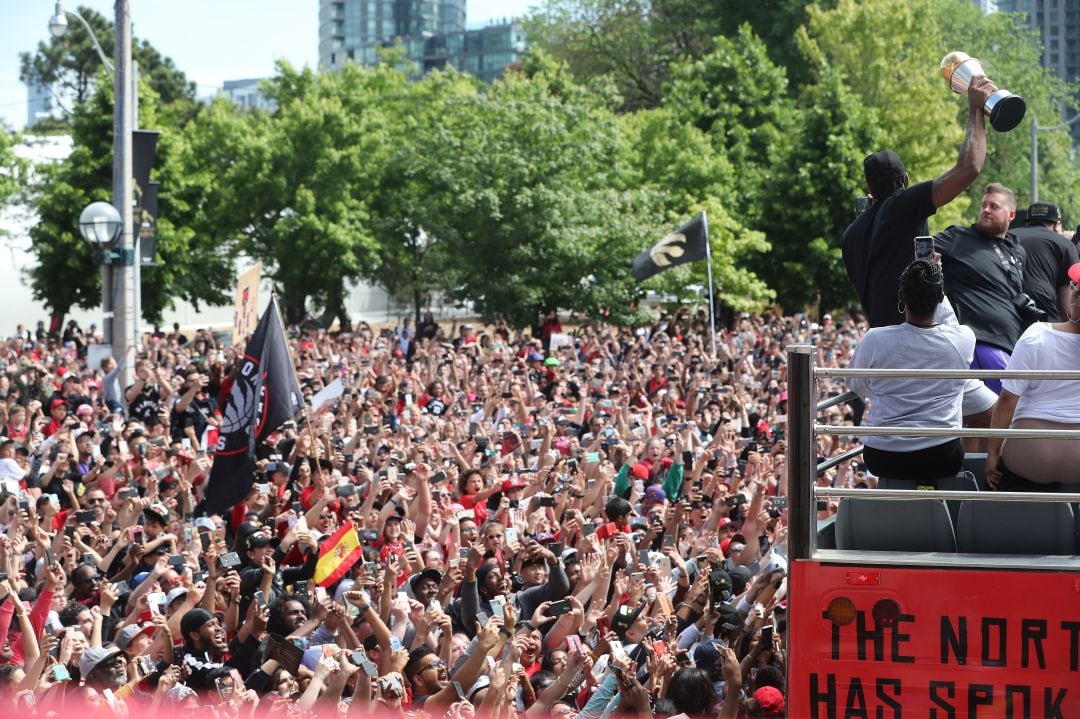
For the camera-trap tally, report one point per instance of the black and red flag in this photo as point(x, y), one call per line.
point(264, 395)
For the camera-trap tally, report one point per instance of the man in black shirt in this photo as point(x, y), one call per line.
point(1049, 257)
point(983, 266)
point(878, 245)
point(146, 396)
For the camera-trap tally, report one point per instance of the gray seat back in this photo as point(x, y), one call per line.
point(1016, 528)
point(963, 482)
point(917, 525)
point(975, 462)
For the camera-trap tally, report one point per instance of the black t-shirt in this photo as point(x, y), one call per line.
point(1049, 257)
point(146, 404)
point(982, 276)
point(879, 244)
point(196, 414)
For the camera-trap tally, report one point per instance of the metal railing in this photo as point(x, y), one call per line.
point(801, 430)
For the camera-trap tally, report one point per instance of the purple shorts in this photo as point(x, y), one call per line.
point(990, 357)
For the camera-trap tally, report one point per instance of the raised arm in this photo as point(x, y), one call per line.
point(972, 155)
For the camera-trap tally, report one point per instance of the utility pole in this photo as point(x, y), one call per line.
point(123, 121)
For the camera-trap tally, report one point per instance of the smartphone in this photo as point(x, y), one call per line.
point(573, 643)
point(371, 429)
point(545, 501)
point(260, 598)
point(229, 560)
point(660, 647)
point(224, 688)
point(603, 624)
point(498, 603)
point(156, 600)
point(588, 528)
point(643, 557)
point(668, 541)
point(137, 535)
point(122, 588)
point(204, 539)
point(301, 590)
point(60, 673)
point(557, 609)
point(395, 643)
point(511, 535)
point(463, 553)
point(177, 561)
point(146, 665)
point(924, 247)
point(131, 493)
point(85, 516)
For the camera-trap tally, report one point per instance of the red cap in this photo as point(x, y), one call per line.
point(770, 700)
point(56, 403)
point(640, 471)
point(509, 484)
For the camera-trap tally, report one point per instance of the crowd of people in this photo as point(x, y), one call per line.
point(588, 523)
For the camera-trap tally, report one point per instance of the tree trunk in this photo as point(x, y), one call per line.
point(292, 304)
point(335, 309)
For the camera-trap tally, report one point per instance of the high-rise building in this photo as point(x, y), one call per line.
point(246, 94)
point(1058, 25)
point(431, 31)
point(39, 103)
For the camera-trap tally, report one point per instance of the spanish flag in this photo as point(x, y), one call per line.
point(337, 554)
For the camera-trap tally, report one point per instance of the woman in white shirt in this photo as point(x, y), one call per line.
point(920, 342)
point(1039, 465)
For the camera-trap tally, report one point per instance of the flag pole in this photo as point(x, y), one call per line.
point(708, 269)
point(292, 367)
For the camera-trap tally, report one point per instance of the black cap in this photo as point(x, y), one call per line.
point(1043, 212)
point(193, 620)
point(883, 170)
point(428, 573)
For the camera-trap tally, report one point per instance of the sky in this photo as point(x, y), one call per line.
point(210, 40)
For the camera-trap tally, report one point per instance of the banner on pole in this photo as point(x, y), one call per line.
point(246, 310)
point(689, 243)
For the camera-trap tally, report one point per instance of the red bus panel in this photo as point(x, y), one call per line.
point(887, 642)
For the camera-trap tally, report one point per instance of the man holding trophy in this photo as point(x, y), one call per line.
point(879, 244)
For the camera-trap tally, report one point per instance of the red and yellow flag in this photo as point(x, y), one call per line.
point(337, 554)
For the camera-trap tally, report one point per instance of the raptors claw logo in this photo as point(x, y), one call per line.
point(668, 249)
point(239, 410)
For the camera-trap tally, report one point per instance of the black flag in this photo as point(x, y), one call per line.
point(689, 243)
point(264, 395)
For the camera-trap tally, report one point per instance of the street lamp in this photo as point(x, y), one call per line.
point(100, 224)
point(117, 279)
point(58, 25)
point(1035, 130)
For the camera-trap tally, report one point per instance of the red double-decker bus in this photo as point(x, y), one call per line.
point(948, 604)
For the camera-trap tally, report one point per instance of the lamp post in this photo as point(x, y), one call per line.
point(117, 280)
point(1035, 130)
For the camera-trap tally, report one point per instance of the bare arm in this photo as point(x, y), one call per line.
point(972, 154)
point(1002, 419)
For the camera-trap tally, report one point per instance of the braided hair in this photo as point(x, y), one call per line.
point(922, 287)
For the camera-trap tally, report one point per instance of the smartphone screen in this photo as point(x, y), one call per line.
point(924, 247)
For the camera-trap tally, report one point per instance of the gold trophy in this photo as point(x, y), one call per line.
point(1005, 109)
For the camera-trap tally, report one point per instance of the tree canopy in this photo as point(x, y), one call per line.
point(626, 118)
